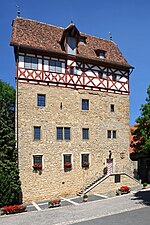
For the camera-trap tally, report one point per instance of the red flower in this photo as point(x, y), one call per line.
point(13, 209)
point(68, 165)
point(85, 164)
point(37, 166)
point(125, 188)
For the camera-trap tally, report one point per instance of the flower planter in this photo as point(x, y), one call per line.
point(68, 165)
point(12, 209)
point(37, 166)
point(123, 190)
point(54, 203)
point(85, 165)
point(85, 198)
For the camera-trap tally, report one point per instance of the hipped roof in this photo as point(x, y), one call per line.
point(40, 36)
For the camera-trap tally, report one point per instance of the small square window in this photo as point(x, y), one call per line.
point(109, 134)
point(114, 77)
point(37, 162)
point(37, 133)
point(112, 108)
point(114, 133)
point(31, 63)
point(85, 160)
point(71, 70)
point(85, 104)
point(41, 100)
point(102, 55)
point(117, 178)
point(102, 75)
point(67, 133)
point(85, 133)
point(67, 162)
point(59, 133)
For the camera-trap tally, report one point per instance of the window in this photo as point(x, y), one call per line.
point(55, 66)
point(112, 108)
point(85, 160)
point(102, 75)
point(102, 55)
point(31, 63)
point(59, 133)
point(111, 134)
point(67, 162)
point(85, 133)
point(82, 40)
point(114, 134)
point(114, 78)
point(41, 100)
point(63, 133)
point(67, 133)
point(37, 162)
point(85, 104)
point(37, 133)
point(71, 45)
point(117, 178)
point(71, 70)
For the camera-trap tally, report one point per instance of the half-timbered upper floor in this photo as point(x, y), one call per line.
point(51, 55)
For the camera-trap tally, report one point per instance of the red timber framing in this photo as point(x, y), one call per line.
point(86, 75)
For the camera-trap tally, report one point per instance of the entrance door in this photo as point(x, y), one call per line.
point(109, 164)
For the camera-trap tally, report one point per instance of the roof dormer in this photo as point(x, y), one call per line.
point(100, 53)
point(70, 39)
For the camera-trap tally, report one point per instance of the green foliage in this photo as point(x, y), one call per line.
point(141, 138)
point(144, 184)
point(10, 187)
point(85, 196)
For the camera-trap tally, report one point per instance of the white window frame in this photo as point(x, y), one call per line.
point(81, 158)
point(62, 158)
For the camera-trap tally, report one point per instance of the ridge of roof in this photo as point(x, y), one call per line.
point(51, 25)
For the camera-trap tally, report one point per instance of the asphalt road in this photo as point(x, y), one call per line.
point(135, 217)
point(120, 210)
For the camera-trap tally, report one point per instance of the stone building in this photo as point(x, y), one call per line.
point(72, 111)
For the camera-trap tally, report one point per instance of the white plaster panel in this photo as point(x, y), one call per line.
point(123, 79)
point(118, 85)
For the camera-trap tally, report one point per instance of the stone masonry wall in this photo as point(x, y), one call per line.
point(53, 181)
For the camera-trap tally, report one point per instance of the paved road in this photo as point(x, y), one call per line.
point(73, 214)
point(135, 217)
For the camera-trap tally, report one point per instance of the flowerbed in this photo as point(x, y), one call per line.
point(123, 190)
point(12, 209)
point(54, 202)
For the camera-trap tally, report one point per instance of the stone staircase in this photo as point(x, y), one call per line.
point(92, 184)
point(99, 179)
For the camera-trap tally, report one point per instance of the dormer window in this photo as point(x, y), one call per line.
point(72, 45)
point(100, 53)
point(82, 40)
point(69, 39)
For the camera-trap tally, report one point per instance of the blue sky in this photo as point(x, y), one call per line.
point(128, 21)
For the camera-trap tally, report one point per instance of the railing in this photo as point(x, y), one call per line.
point(90, 180)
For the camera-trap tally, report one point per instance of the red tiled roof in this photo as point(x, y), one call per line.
point(36, 35)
